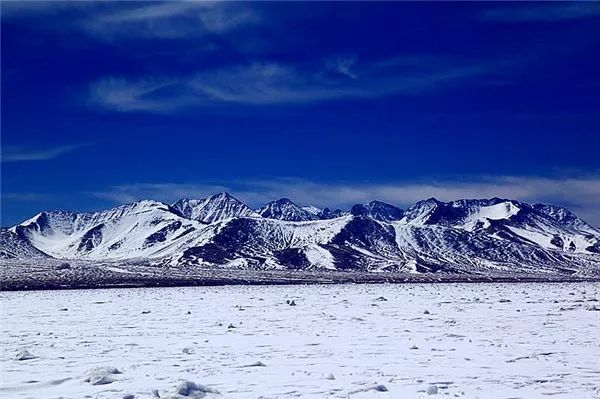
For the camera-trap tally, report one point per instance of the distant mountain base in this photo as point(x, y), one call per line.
point(46, 274)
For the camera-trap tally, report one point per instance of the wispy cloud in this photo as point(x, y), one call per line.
point(549, 12)
point(580, 194)
point(169, 20)
point(344, 65)
point(140, 19)
point(21, 153)
point(148, 95)
point(277, 83)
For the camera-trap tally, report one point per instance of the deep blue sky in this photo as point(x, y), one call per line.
point(326, 103)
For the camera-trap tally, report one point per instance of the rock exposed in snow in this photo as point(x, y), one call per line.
point(101, 375)
point(255, 364)
point(187, 389)
point(191, 389)
point(374, 388)
point(24, 354)
point(432, 389)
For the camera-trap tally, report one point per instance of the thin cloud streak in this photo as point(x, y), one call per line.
point(112, 21)
point(170, 20)
point(276, 83)
point(579, 194)
point(23, 154)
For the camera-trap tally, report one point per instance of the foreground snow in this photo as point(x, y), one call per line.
point(358, 341)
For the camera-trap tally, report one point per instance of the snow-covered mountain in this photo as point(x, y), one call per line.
point(465, 236)
point(363, 243)
point(549, 227)
point(138, 230)
point(285, 209)
point(214, 208)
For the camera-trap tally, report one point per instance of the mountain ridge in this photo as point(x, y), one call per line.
point(462, 236)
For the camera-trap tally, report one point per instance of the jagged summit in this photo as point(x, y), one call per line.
point(285, 209)
point(421, 210)
point(378, 210)
point(214, 208)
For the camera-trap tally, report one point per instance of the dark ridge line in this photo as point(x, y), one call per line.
point(281, 280)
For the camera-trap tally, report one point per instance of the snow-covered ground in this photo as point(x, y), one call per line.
point(339, 341)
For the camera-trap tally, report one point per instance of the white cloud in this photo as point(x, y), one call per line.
point(579, 194)
point(168, 20)
point(140, 95)
point(114, 20)
point(19, 153)
point(275, 83)
point(344, 66)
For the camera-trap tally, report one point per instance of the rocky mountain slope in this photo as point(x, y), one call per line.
point(13, 246)
point(378, 210)
point(285, 209)
point(214, 208)
point(465, 236)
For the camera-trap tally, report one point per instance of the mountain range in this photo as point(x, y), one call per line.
point(464, 236)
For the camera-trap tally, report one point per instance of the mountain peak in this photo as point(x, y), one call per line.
point(144, 204)
point(223, 195)
point(284, 201)
point(214, 208)
point(378, 210)
point(431, 200)
point(285, 209)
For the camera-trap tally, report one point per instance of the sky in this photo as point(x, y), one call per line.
point(329, 104)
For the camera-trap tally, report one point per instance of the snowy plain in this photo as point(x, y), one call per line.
point(340, 341)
